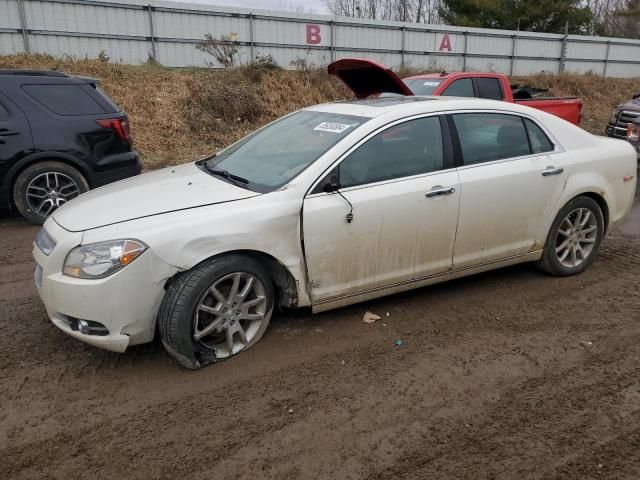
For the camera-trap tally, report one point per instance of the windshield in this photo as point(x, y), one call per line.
point(423, 86)
point(272, 157)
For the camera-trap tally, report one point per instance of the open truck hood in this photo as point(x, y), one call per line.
point(366, 77)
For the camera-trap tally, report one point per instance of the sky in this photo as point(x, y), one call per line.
point(307, 6)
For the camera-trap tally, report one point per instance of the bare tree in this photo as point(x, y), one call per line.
point(417, 11)
point(225, 51)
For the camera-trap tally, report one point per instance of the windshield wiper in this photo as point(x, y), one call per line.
point(226, 174)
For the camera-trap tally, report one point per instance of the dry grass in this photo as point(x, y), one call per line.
point(179, 115)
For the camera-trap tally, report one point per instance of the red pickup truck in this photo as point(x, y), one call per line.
point(366, 78)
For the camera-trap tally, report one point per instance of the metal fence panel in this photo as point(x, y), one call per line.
point(282, 32)
point(540, 48)
point(479, 45)
point(185, 26)
point(586, 50)
point(525, 66)
point(367, 38)
point(9, 15)
point(131, 31)
point(13, 42)
point(629, 53)
point(85, 18)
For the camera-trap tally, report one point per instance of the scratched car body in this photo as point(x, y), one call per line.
point(331, 205)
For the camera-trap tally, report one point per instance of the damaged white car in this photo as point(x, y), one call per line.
point(325, 207)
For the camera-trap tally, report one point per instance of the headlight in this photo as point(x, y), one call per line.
point(44, 242)
point(614, 117)
point(99, 260)
point(633, 133)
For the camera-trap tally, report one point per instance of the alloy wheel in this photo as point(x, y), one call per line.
point(49, 190)
point(576, 237)
point(230, 313)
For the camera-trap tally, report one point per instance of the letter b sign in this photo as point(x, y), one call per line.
point(313, 34)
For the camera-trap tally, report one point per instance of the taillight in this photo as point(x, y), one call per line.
point(118, 125)
point(633, 133)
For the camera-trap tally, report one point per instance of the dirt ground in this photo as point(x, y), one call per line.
point(506, 375)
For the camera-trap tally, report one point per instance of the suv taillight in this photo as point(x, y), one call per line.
point(118, 125)
point(633, 133)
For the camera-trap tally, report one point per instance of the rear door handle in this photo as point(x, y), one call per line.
point(8, 133)
point(438, 191)
point(552, 171)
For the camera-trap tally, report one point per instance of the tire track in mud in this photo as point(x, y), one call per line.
point(566, 422)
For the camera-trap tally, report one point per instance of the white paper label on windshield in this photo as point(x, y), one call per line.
point(432, 84)
point(332, 127)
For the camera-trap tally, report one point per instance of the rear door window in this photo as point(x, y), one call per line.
point(67, 99)
point(540, 143)
point(489, 88)
point(460, 88)
point(106, 101)
point(485, 137)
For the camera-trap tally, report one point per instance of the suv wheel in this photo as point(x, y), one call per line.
point(43, 187)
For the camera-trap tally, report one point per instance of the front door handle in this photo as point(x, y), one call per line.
point(438, 191)
point(8, 133)
point(552, 171)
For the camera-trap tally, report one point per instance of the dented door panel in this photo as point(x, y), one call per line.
point(397, 234)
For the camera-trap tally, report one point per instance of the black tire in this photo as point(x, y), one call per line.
point(177, 311)
point(30, 173)
point(550, 262)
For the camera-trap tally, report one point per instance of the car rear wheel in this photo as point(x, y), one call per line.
point(43, 187)
point(215, 311)
point(574, 238)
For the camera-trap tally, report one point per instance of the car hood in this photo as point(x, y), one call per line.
point(633, 105)
point(166, 190)
point(365, 77)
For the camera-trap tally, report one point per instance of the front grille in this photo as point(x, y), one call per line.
point(624, 118)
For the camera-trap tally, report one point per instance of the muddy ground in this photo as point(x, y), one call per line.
point(506, 375)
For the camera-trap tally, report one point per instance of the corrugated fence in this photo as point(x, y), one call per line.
point(135, 30)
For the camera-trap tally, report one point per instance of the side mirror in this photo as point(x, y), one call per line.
point(637, 95)
point(332, 185)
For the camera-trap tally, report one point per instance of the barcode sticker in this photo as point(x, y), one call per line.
point(332, 127)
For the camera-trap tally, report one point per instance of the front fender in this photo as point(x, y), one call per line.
point(268, 224)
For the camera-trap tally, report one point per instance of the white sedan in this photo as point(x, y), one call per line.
point(328, 206)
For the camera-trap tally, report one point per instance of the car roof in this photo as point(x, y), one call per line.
point(398, 106)
point(32, 73)
point(43, 76)
point(445, 75)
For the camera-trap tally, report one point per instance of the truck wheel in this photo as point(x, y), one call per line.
point(217, 310)
point(41, 188)
point(574, 238)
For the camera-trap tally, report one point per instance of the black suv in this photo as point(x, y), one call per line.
point(59, 136)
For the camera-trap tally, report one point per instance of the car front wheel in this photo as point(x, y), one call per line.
point(574, 238)
point(219, 309)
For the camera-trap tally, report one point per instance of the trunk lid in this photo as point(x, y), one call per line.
point(366, 77)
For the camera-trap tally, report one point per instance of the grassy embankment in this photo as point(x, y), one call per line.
point(179, 115)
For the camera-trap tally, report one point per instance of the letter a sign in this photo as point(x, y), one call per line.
point(445, 43)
